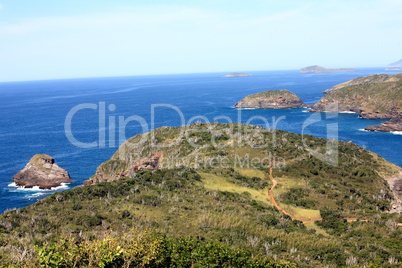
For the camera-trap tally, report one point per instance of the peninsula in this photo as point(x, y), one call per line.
point(271, 99)
point(217, 195)
point(318, 69)
point(377, 96)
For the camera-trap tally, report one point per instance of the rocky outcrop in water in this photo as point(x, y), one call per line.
point(271, 99)
point(41, 171)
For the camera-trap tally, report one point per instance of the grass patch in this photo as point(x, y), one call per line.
point(214, 182)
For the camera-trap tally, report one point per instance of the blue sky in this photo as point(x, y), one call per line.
point(46, 39)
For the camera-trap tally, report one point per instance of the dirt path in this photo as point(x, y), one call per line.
point(270, 193)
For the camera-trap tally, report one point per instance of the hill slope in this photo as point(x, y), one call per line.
point(210, 183)
point(373, 97)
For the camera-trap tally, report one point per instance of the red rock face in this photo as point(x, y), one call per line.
point(145, 163)
point(395, 124)
point(43, 172)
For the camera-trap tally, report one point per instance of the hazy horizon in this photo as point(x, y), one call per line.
point(45, 40)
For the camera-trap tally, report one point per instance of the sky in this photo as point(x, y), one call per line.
point(47, 39)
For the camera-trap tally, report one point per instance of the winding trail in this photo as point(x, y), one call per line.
point(270, 193)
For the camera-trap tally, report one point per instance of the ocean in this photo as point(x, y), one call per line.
point(81, 122)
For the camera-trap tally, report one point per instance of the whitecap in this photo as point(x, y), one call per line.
point(35, 195)
point(347, 112)
point(37, 189)
point(396, 132)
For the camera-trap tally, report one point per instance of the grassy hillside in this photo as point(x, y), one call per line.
point(200, 215)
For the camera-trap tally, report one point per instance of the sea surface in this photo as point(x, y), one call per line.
point(81, 122)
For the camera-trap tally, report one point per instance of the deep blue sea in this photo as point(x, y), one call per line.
point(33, 117)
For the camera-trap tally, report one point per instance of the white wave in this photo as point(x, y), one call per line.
point(396, 132)
point(35, 195)
point(362, 129)
point(37, 189)
point(347, 112)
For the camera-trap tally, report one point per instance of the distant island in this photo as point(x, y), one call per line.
point(395, 66)
point(237, 75)
point(377, 96)
point(318, 69)
point(274, 99)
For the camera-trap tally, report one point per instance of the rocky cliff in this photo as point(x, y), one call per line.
point(318, 69)
point(41, 171)
point(373, 97)
point(274, 99)
point(395, 124)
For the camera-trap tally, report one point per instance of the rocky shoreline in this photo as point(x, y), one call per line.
point(395, 124)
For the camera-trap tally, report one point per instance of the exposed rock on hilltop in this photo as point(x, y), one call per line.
point(116, 169)
point(276, 99)
point(237, 75)
point(373, 97)
point(318, 69)
point(43, 172)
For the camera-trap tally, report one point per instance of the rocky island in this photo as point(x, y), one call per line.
point(377, 96)
point(271, 99)
point(318, 69)
point(42, 171)
point(395, 66)
point(237, 75)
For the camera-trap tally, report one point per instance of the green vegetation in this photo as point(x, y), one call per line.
point(207, 214)
point(270, 94)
